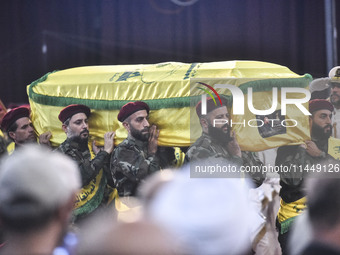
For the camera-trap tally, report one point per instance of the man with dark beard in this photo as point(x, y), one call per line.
point(303, 160)
point(335, 100)
point(95, 174)
point(218, 142)
point(135, 158)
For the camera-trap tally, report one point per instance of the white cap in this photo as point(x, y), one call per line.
point(333, 72)
point(36, 179)
point(319, 84)
point(208, 215)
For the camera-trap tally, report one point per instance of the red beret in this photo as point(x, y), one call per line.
point(210, 105)
point(73, 109)
point(131, 108)
point(320, 104)
point(13, 115)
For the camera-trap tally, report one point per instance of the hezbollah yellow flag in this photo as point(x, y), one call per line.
point(334, 147)
point(264, 120)
point(164, 86)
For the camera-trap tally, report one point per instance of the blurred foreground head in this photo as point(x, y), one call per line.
point(103, 235)
point(206, 215)
point(317, 230)
point(37, 186)
point(324, 205)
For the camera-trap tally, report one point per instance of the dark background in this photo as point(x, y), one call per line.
point(109, 32)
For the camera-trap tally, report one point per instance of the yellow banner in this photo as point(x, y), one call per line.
point(334, 147)
point(290, 210)
point(87, 192)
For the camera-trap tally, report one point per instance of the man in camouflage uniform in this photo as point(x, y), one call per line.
point(135, 158)
point(94, 172)
point(301, 160)
point(217, 141)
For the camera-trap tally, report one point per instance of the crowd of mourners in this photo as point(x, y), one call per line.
point(138, 197)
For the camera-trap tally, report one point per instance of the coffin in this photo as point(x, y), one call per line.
point(171, 91)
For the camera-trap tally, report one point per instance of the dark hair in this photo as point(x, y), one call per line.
point(12, 128)
point(25, 215)
point(324, 203)
point(67, 122)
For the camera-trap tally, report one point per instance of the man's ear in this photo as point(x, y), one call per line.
point(204, 122)
point(310, 120)
point(11, 134)
point(126, 126)
point(64, 127)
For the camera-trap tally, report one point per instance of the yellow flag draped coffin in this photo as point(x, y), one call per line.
point(171, 90)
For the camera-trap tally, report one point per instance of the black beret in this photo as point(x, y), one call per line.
point(131, 108)
point(73, 109)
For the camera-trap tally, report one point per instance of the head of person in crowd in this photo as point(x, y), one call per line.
point(334, 76)
point(75, 123)
point(216, 121)
point(320, 121)
point(134, 116)
point(103, 235)
point(324, 209)
point(320, 88)
point(149, 189)
point(18, 126)
point(205, 215)
point(37, 192)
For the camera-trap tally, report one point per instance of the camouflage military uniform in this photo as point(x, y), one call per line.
point(130, 163)
point(205, 148)
point(293, 201)
point(88, 168)
point(297, 159)
point(88, 200)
